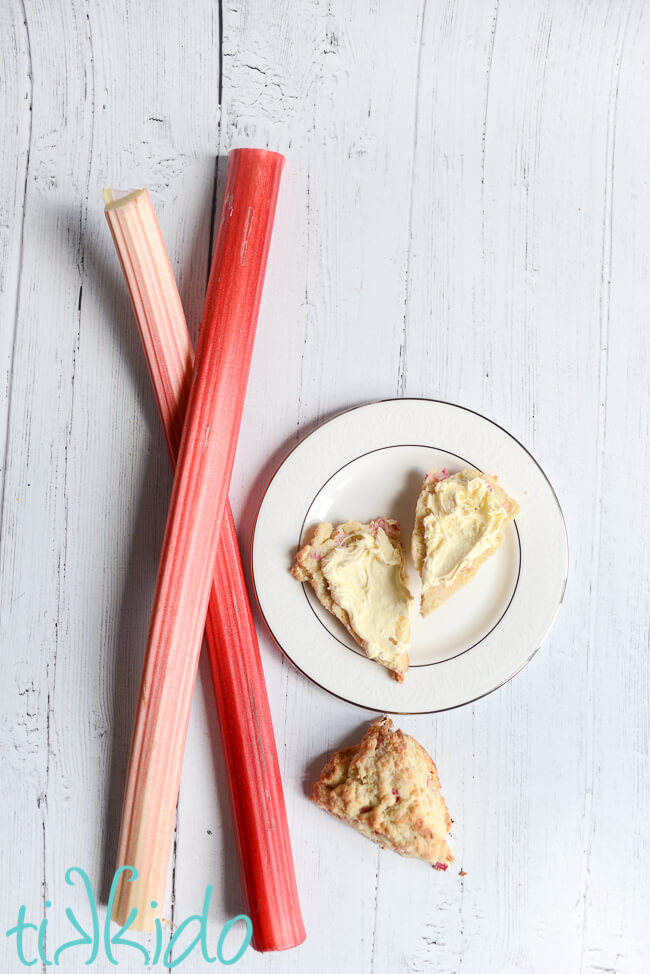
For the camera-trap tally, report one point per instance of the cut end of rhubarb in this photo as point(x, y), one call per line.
point(260, 154)
point(118, 197)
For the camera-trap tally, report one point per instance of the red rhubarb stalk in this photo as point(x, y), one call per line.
point(268, 878)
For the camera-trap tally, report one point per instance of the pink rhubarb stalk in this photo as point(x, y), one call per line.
point(267, 872)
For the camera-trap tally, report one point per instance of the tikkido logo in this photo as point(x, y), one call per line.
point(98, 936)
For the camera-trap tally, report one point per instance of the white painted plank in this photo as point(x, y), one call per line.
point(616, 817)
point(32, 515)
point(72, 488)
point(167, 143)
point(511, 266)
point(329, 337)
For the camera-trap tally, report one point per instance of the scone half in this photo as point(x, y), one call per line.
point(358, 572)
point(387, 787)
point(460, 520)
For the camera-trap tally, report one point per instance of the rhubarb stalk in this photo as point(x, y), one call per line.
point(233, 299)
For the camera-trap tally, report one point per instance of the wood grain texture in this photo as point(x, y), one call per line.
point(464, 215)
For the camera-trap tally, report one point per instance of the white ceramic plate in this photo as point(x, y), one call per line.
point(370, 462)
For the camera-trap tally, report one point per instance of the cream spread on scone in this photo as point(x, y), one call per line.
point(460, 521)
point(464, 519)
point(365, 578)
point(358, 572)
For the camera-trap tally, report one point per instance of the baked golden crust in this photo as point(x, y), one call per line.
point(387, 787)
point(309, 567)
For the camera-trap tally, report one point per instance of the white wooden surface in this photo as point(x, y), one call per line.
point(465, 215)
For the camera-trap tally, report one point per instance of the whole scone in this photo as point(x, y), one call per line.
point(388, 788)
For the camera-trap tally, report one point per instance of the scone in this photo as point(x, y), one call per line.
point(358, 572)
point(388, 788)
point(459, 522)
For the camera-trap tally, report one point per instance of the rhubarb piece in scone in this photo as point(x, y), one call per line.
point(358, 573)
point(388, 788)
point(459, 522)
